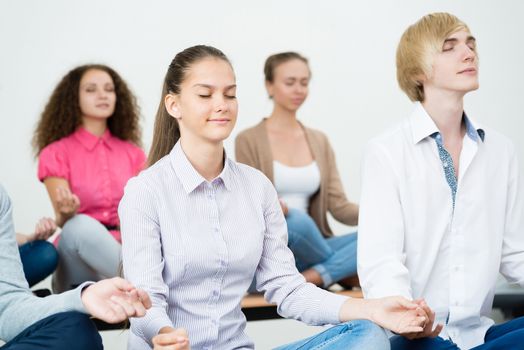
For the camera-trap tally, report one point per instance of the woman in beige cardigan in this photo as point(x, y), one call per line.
point(301, 164)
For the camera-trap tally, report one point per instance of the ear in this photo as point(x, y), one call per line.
point(269, 88)
point(171, 103)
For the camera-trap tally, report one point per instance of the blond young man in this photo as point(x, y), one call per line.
point(448, 196)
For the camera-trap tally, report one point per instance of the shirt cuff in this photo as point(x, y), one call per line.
point(72, 299)
point(330, 308)
point(152, 323)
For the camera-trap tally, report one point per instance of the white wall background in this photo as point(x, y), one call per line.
point(351, 46)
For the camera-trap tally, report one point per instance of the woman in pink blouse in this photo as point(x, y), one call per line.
point(87, 142)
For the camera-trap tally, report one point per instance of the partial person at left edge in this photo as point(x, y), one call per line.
point(88, 146)
point(58, 321)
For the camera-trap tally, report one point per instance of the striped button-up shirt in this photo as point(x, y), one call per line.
point(195, 245)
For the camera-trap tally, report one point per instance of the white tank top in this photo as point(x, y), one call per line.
point(295, 185)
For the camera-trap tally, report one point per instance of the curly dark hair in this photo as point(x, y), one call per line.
point(62, 115)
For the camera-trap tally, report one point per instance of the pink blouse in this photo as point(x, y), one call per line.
point(97, 169)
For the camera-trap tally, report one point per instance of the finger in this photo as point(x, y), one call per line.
point(134, 299)
point(167, 339)
point(406, 303)
point(181, 332)
point(126, 305)
point(436, 331)
point(144, 297)
point(121, 284)
point(117, 314)
point(76, 200)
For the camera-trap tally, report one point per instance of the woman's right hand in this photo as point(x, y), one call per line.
point(67, 203)
point(412, 319)
point(171, 339)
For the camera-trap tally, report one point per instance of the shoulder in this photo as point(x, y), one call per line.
point(248, 176)
point(59, 146)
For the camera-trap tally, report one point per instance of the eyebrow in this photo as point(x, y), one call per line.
point(454, 40)
point(212, 87)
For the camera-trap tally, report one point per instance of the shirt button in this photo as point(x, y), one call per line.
point(106, 214)
point(217, 230)
point(222, 263)
point(215, 293)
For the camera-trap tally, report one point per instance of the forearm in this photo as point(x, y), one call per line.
point(22, 239)
point(23, 309)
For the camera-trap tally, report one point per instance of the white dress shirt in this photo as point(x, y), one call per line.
point(412, 242)
point(195, 246)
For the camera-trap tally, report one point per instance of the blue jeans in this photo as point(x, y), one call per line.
point(333, 258)
point(62, 331)
point(360, 334)
point(504, 336)
point(39, 259)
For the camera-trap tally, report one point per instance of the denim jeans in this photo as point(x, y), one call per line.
point(359, 334)
point(62, 331)
point(39, 259)
point(333, 258)
point(504, 336)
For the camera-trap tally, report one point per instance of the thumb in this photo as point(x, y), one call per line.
point(122, 284)
point(407, 304)
point(181, 332)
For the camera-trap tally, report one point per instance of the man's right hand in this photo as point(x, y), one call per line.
point(115, 300)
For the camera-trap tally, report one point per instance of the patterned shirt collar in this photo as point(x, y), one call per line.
point(89, 141)
point(190, 178)
point(422, 126)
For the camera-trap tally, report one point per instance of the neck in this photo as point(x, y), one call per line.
point(96, 126)
point(282, 118)
point(206, 157)
point(446, 112)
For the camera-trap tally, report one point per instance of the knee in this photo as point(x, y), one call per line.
point(78, 228)
point(370, 331)
point(47, 254)
point(300, 222)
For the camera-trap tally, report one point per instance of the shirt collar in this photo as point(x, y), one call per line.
point(89, 141)
point(423, 126)
point(189, 177)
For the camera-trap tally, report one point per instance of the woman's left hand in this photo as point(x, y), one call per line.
point(44, 229)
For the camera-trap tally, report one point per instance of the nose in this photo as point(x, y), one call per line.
point(101, 93)
point(221, 105)
point(469, 54)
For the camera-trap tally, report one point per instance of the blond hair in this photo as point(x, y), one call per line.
point(418, 46)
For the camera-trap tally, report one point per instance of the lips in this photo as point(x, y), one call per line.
point(470, 70)
point(219, 120)
point(103, 105)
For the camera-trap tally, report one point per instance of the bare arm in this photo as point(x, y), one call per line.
point(65, 203)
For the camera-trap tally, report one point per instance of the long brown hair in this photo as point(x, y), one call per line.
point(62, 114)
point(166, 131)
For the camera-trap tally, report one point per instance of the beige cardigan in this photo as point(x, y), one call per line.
point(252, 148)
